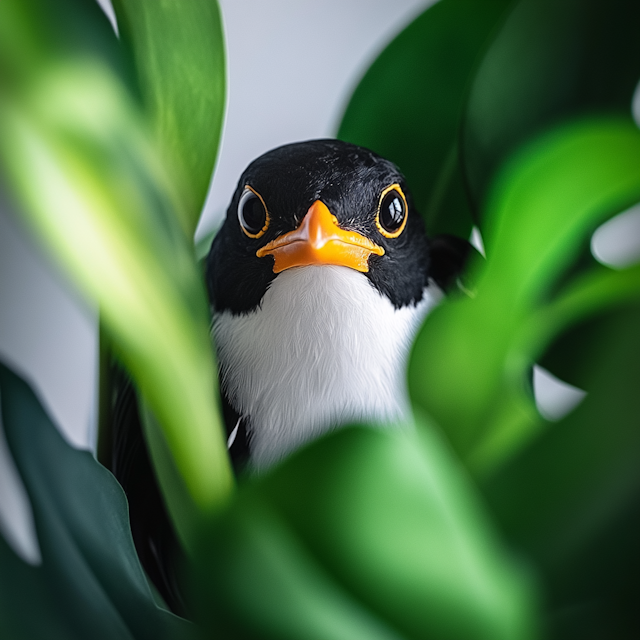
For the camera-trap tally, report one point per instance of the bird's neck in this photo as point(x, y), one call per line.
point(324, 348)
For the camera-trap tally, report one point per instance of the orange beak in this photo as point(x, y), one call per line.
point(319, 240)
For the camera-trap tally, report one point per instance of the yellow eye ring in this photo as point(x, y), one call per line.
point(392, 226)
point(252, 228)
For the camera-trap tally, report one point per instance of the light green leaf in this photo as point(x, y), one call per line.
point(77, 154)
point(586, 295)
point(544, 206)
point(178, 51)
point(384, 527)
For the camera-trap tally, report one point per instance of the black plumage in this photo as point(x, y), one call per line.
point(349, 180)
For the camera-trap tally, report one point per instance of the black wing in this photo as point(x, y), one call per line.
point(153, 534)
point(154, 537)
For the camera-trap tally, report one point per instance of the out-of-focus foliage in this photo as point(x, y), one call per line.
point(487, 521)
point(77, 148)
point(549, 62)
point(570, 499)
point(547, 151)
point(367, 534)
point(545, 204)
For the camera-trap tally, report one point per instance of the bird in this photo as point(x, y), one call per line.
point(318, 280)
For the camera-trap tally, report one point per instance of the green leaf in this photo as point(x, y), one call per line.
point(588, 294)
point(367, 533)
point(545, 204)
point(78, 156)
point(410, 104)
point(267, 585)
point(32, 32)
point(569, 500)
point(90, 583)
point(551, 60)
point(178, 51)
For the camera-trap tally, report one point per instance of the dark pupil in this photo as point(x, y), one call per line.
point(391, 211)
point(253, 214)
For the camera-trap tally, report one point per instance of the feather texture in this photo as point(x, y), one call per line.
point(324, 348)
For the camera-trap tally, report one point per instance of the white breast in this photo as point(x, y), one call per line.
point(324, 348)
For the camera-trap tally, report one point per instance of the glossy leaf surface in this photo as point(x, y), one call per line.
point(365, 534)
point(178, 52)
point(410, 104)
point(90, 583)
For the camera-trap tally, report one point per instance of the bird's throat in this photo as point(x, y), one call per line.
point(323, 348)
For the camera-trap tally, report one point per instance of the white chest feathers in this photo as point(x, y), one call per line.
point(324, 348)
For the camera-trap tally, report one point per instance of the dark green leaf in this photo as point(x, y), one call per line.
point(178, 49)
point(409, 105)
point(365, 534)
point(36, 33)
point(90, 583)
point(551, 60)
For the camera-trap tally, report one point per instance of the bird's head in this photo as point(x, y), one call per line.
point(320, 202)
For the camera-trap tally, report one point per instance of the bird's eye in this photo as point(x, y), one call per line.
point(252, 213)
point(392, 212)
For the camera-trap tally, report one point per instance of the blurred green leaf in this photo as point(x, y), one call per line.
point(178, 51)
point(550, 61)
point(588, 294)
point(90, 583)
point(76, 152)
point(32, 31)
point(410, 104)
point(365, 534)
point(546, 202)
point(267, 585)
point(570, 499)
